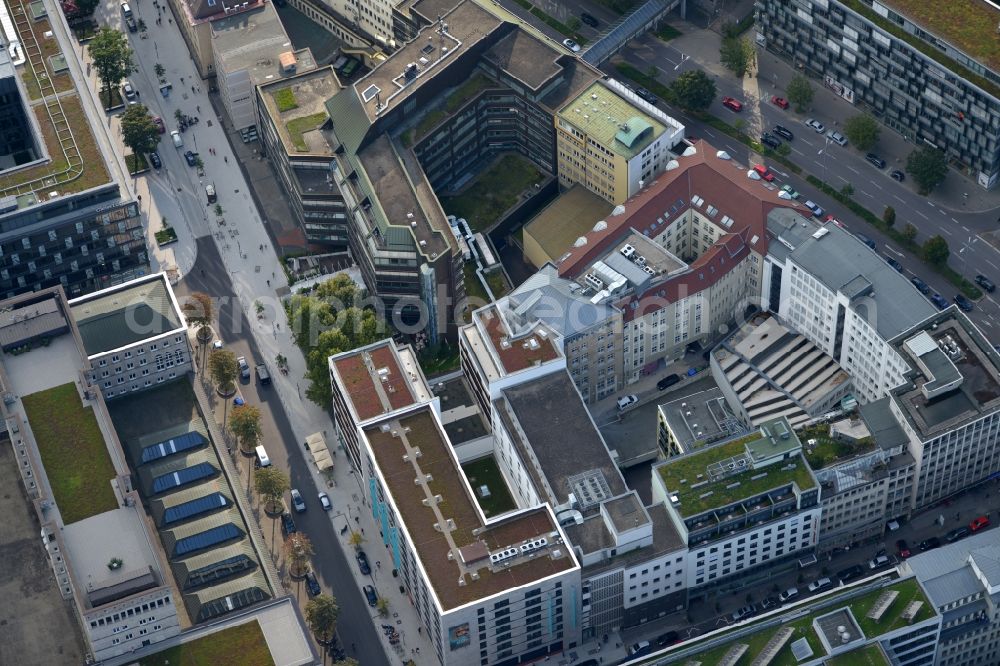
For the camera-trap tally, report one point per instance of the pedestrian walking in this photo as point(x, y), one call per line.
point(378, 564)
point(268, 283)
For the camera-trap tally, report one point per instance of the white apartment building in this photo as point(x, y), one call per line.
point(962, 581)
point(745, 508)
point(134, 334)
point(835, 290)
point(488, 590)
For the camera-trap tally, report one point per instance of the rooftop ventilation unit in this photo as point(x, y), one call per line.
point(534, 545)
point(628, 251)
point(532, 344)
point(593, 281)
point(505, 554)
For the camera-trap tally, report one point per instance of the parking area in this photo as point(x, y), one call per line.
point(37, 624)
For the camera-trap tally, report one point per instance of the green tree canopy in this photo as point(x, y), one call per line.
point(223, 369)
point(800, 92)
point(909, 232)
point(198, 309)
point(112, 58)
point(936, 250)
point(245, 425)
point(738, 55)
point(928, 166)
point(271, 483)
point(693, 90)
point(889, 216)
point(139, 132)
point(862, 130)
point(321, 615)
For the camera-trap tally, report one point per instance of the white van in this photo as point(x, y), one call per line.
point(126, 10)
point(178, 141)
point(262, 457)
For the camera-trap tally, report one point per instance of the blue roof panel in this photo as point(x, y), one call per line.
point(194, 508)
point(190, 440)
point(207, 539)
point(183, 477)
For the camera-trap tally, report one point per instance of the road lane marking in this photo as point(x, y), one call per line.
point(709, 133)
point(896, 196)
point(852, 169)
point(921, 214)
point(995, 267)
point(798, 152)
point(876, 185)
point(945, 229)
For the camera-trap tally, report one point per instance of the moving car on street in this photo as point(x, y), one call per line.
point(779, 101)
point(783, 132)
point(979, 523)
point(732, 104)
point(986, 283)
point(589, 19)
point(816, 125)
point(297, 501)
point(964, 303)
point(875, 160)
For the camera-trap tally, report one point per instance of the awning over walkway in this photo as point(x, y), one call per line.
point(320, 453)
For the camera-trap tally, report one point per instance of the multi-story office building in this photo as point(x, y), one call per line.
point(745, 508)
point(948, 404)
point(489, 590)
point(961, 581)
point(866, 473)
point(883, 620)
point(613, 142)
point(135, 335)
point(926, 74)
point(303, 160)
point(695, 421)
point(836, 291)
point(194, 18)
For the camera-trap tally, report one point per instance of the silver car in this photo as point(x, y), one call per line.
point(837, 138)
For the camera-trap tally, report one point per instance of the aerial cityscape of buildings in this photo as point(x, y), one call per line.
point(461, 332)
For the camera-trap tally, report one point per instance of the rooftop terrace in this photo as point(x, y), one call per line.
point(709, 478)
point(297, 105)
point(437, 529)
point(857, 602)
point(375, 382)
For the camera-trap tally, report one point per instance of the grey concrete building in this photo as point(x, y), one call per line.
point(933, 78)
point(695, 421)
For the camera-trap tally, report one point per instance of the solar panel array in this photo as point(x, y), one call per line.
point(185, 442)
point(231, 602)
point(195, 507)
point(219, 570)
point(207, 539)
point(183, 477)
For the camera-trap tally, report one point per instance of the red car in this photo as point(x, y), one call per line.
point(779, 101)
point(764, 172)
point(158, 121)
point(979, 523)
point(732, 104)
point(903, 548)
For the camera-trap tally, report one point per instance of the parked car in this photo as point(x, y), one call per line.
point(297, 502)
point(158, 121)
point(669, 638)
point(788, 594)
point(956, 534)
point(312, 584)
point(770, 603)
point(820, 585)
point(743, 613)
point(921, 286)
point(902, 548)
point(986, 283)
point(779, 101)
point(964, 303)
point(783, 132)
point(263, 376)
point(732, 104)
point(647, 96)
point(979, 523)
point(667, 382)
point(879, 561)
point(850, 573)
point(816, 209)
point(764, 172)
point(324, 501)
point(371, 596)
point(875, 160)
point(571, 45)
point(816, 125)
point(363, 563)
point(769, 141)
point(128, 90)
point(790, 191)
point(837, 138)
point(639, 649)
point(626, 401)
point(176, 138)
point(898, 175)
point(940, 301)
point(287, 524)
point(244, 367)
point(589, 19)
point(154, 159)
point(894, 263)
point(866, 240)
point(191, 158)
point(929, 544)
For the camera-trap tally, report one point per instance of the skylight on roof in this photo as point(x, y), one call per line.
point(370, 92)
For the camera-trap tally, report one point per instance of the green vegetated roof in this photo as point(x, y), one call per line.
point(859, 606)
point(969, 25)
point(870, 655)
point(299, 126)
point(478, 83)
point(724, 491)
point(829, 450)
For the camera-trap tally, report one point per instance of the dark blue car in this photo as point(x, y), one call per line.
point(940, 301)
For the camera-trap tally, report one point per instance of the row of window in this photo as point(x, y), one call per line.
point(130, 612)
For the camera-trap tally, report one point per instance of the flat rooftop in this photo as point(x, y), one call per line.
point(612, 121)
point(255, 40)
point(515, 354)
point(394, 443)
point(854, 602)
point(699, 419)
point(710, 478)
point(126, 314)
point(592, 535)
point(377, 380)
point(297, 101)
point(92, 542)
point(969, 25)
point(569, 217)
point(550, 412)
point(964, 357)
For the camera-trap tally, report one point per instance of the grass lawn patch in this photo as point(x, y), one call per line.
point(495, 191)
point(828, 450)
point(498, 283)
point(296, 128)
point(245, 640)
point(473, 287)
point(285, 99)
point(485, 472)
point(116, 97)
point(668, 32)
point(84, 30)
point(455, 101)
point(73, 452)
point(136, 163)
point(165, 236)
